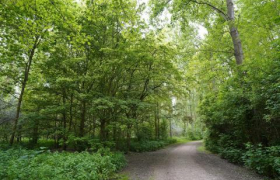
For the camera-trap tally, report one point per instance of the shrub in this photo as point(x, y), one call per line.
point(234, 155)
point(194, 135)
point(78, 143)
point(145, 132)
point(142, 146)
point(265, 160)
point(27, 164)
point(171, 140)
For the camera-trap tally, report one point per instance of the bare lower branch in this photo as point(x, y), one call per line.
point(223, 14)
point(210, 50)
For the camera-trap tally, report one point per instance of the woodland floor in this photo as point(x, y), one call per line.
point(184, 162)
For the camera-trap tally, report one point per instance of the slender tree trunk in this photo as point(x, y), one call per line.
point(83, 118)
point(24, 82)
point(93, 126)
point(35, 132)
point(184, 128)
point(129, 126)
point(170, 125)
point(56, 136)
point(238, 51)
point(114, 133)
point(156, 130)
point(70, 112)
point(128, 137)
point(102, 130)
point(64, 121)
point(158, 122)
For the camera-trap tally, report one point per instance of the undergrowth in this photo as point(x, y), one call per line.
point(42, 164)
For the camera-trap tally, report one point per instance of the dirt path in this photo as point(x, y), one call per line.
point(183, 162)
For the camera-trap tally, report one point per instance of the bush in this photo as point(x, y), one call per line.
point(145, 132)
point(265, 160)
point(78, 143)
point(234, 155)
point(26, 164)
point(171, 140)
point(142, 146)
point(194, 135)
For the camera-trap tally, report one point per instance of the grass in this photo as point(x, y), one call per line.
point(203, 149)
point(181, 140)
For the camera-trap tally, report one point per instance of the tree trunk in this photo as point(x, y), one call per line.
point(70, 113)
point(238, 51)
point(102, 130)
point(26, 74)
point(170, 124)
point(64, 120)
point(83, 118)
point(158, 122)
point(35, 133)
point(93, 126)
point(156, 127)
point(184, 128)
point(128, 137)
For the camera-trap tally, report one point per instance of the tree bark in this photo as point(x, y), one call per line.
point(70, 113)
point(102, 130)
point(83, 118)
point(238, 51)
point(230, 18)
point(26, 74)
point(35, 134)
point(64, 120)
point(128, 137)
point(170, 126)
point(156, 126)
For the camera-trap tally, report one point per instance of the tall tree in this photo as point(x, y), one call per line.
point(182, 8)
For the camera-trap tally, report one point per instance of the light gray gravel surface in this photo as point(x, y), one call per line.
point(184, 162)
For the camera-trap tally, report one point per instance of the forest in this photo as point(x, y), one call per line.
point(85, 82)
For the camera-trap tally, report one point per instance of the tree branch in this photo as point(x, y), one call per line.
point(209, 50)
point(213, 7)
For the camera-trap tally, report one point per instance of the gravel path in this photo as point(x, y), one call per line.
point(183, 162)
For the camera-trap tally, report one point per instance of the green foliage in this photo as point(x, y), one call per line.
point(194, 134)
point(265, 160)
point(92, 75)
point(179, 140)
point(242, 106)
point(203, 149)
point(80, 143)
point(145, 133)
point(245, 109)
point(41, 164)
point(163, 130)
point(233, 155)
point(143, 146)
point(86, 71)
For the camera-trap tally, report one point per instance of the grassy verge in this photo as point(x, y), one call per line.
point(203, 149)
point(152, 145)
point(181, 140)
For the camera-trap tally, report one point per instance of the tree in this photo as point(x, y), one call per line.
point(181, 7)
point(26, 25)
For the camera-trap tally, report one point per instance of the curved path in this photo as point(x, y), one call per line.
point(183, 162)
